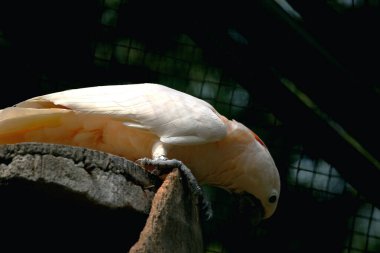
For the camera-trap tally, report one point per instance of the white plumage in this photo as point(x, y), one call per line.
point(177, 118)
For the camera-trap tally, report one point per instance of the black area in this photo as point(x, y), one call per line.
point(301, 224)
point(45, 37)
point(47, 218)
point(278, 47)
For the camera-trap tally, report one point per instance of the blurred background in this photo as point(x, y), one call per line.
point(304, 75)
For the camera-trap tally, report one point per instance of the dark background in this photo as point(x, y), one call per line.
point(305, 79)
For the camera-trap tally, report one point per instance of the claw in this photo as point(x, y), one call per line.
point(158, 167)
point(164, 166)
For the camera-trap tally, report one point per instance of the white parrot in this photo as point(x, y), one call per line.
point(150, 120)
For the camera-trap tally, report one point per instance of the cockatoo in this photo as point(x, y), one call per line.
point(150, 120)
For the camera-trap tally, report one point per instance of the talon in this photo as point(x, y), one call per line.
point(147, 164)
point(142, 161)
point(206, 209)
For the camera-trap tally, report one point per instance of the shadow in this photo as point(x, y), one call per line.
point(47, 218)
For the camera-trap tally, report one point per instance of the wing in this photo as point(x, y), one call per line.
point(176, 117)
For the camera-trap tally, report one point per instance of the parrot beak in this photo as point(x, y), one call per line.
point(251, 207)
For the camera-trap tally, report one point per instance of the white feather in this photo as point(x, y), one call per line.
point(176, 117)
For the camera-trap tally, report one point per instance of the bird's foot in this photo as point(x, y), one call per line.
point(159, 166)
point(162, 166)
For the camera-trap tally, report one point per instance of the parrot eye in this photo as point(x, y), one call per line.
point(272, 199)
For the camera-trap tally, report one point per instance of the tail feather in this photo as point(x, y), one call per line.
point(63, 126)
point(16, 122)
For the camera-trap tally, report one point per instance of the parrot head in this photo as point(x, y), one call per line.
point(258, 174)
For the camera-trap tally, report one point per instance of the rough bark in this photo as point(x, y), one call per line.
point(57, 197)
point(173, 224)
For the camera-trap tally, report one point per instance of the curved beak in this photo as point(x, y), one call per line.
point(251, 207)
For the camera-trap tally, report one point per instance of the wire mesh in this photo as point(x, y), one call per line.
point(324, 183)
point(315, 195)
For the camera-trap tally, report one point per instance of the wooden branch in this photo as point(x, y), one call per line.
point(173, 224)
point(71, 198)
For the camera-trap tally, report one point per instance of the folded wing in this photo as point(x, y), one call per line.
point(177, 118)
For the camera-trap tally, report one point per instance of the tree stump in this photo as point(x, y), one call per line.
point(57, 197)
